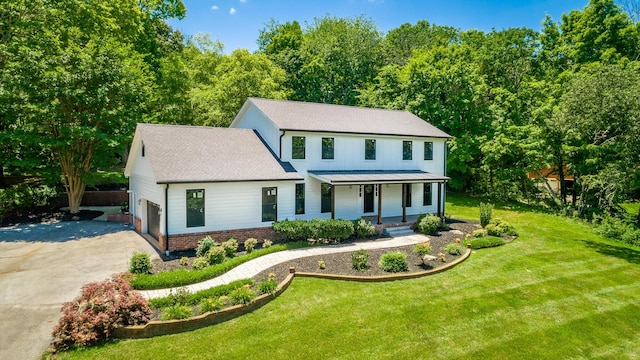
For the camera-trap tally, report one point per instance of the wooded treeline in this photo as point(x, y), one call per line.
point(76, 76)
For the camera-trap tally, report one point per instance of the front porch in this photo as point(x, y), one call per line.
point(372, 181)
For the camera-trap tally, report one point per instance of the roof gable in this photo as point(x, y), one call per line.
point(316, 117)
point(191, 154)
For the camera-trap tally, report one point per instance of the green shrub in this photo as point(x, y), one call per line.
point(242, 295)
point(612, 227)
point(293, 230)
point(498, 227)
point(184, 261)
point(176, 312)
point(215, 255)
point(485, 242)
point(363, 228)
point(267, 244)
point(178, 296)
point(359, 259)
point(334, 229)
point(200, 263)
point(269, 285)
point(322, 265)
point(454, 249)
point(394, 261)
point(249, 244)
point(204, 245)
point(428, 224)
point(140, 263)
point(211, 304)
point(195, 298)
point(230, 247)
point(486, 212)
point(479, 233)
point(493, 230)
point(182, 276)
point(631, 237)
point(422, 249)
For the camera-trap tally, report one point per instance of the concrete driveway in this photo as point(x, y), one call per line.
point(45, 265)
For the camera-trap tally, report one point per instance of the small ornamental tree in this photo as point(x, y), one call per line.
point(98, 311)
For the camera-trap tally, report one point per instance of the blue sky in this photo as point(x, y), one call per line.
point(237, 23)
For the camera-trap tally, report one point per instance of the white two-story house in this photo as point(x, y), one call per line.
point(283, 160)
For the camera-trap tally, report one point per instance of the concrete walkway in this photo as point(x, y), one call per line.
point(255, 266)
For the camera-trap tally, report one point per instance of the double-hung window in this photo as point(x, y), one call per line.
point(297, 147)
point(327, 148)
point(407, 150)
point(269, 204)
point(299, 199)
point(428, 150)
point(369, 149)
point(427, 195)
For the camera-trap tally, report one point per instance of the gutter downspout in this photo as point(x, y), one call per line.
point(281, 135)
point(166, 217)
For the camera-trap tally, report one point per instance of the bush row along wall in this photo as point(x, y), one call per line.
point(190, 241)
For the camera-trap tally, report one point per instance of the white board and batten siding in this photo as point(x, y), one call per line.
point(229, 205)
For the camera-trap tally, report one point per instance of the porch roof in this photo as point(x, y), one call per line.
point(361, 177)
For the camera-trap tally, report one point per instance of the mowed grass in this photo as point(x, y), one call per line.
point(558, 291)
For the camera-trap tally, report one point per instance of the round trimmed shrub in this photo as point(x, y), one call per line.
point(242, 295)
point(363, 228)
point(230, 247)
point(428, 224)
point(249, 244)
point(215, 255)
point(394, 261)
point(204, 245)
point(359, 259)
point(422, 249)
point(454, 249)
point(140, 263)
point(200, 263)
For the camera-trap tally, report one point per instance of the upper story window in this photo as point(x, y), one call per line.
point(369, 149)
point(327, 148)
point(297, 147)
point(195, 208)
point(407, 150)
point(428, 150)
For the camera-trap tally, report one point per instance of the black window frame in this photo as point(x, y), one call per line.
point(296, 148)
point(325, 198)
point(428, 150)
point(328, 153)
point(273, 205)
point(427, 196)
point(407, 154)
point(192, 209)
point(300, 197)
point(369, 149)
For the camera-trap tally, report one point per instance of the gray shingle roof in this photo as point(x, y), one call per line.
point(186, 154)
point(305, 116)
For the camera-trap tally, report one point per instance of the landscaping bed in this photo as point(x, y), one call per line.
point(340, 264)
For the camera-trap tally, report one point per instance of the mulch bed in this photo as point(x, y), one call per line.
point(340, 264)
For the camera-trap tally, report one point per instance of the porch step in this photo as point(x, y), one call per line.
point(398, 231)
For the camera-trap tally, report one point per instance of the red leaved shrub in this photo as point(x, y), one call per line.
point(100, 308)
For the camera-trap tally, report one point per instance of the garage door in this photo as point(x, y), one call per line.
point(153, 219)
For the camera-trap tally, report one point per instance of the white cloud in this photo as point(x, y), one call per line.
point(215, 7)
point(232, 11)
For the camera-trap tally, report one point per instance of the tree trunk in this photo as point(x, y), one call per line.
point(75, 164)
point(563, 188)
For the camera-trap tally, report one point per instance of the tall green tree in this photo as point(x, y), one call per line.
point(84, 81)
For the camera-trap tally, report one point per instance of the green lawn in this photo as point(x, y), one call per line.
point(558, 291)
